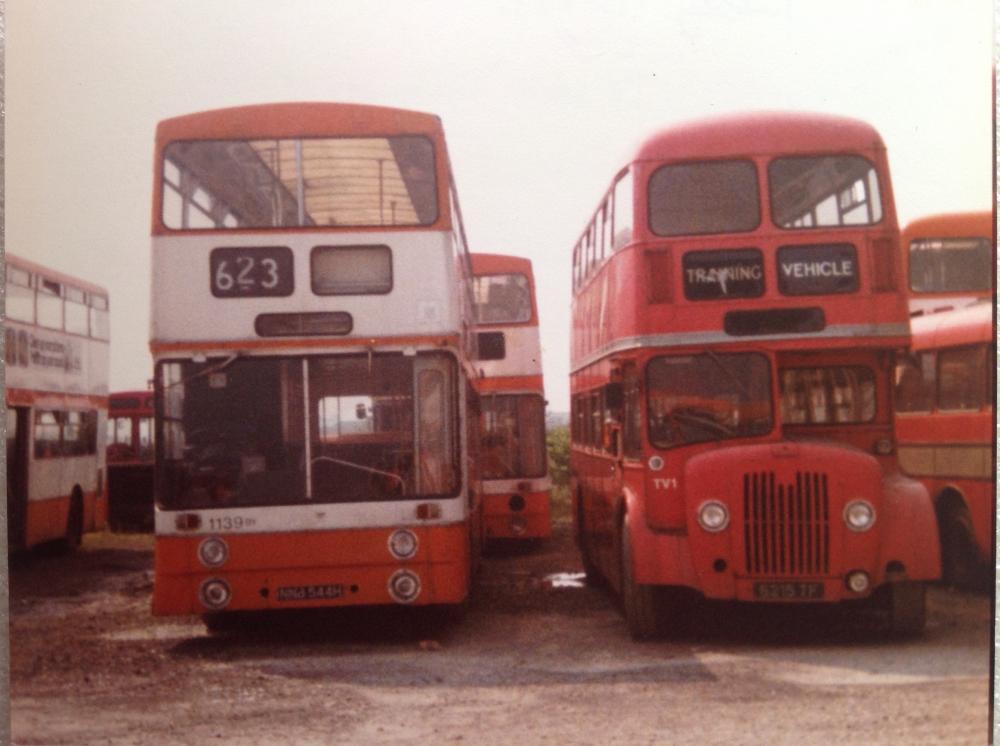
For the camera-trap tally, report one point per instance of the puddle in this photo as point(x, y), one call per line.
point(565, 580)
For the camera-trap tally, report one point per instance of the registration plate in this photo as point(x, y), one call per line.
point(310, 592)
point(787, 591)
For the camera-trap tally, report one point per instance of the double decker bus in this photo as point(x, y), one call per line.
point(57, 331)
point(950, 260)
point(945, 388)
point(312, 333)
point(737, 308)
point(513, 457)
point(130, 460)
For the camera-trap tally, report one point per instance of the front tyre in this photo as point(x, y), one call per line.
point(639, 601)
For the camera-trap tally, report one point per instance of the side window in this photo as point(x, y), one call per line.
point(962, 378)
point(623, 205)
point(632, 425)
point(914, 389)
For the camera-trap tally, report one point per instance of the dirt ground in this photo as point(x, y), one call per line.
point(539, 659)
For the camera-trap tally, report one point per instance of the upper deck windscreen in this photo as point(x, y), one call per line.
point(310, 182)
point(823, 191)
point(710, 197)
point(502, 299)
point(951, 265)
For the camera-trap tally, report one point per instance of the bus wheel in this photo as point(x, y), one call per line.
point(906, 606)
point(74, 524)
point(639, 602)
point(959, 560)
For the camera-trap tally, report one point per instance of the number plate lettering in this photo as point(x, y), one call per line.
point(310, 592)
point(251, 271)
point(788, 591)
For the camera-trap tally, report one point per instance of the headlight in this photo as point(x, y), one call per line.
point(713, 516)
point(215, 593)
point(859, 515)
point(404, 586)
point(403, 544)
point(213, 552)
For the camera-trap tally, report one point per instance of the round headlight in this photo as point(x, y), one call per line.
point(883, 446)
point(215, 593)
point(858, 581)
point(859, 515)
point(213, 552)
point(403, 544)
point(404, 586)
point(713, 515)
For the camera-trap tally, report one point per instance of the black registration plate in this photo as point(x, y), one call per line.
point(788, 591)
point(310, 592)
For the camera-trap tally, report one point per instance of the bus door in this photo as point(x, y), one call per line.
point(17, 475)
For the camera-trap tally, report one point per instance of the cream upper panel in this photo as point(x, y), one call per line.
point(523, 353)
point(424, 299)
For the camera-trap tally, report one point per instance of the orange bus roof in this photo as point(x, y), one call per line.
point(950, 225)
point(489, 264)
point(304, 119)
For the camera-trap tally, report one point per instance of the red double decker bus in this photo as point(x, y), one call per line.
point(945, 388)
point(737, 309)
point(950, 260)
point(513, 458)
point(130, 460)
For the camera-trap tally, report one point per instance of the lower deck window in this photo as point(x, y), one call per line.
point(828, 395)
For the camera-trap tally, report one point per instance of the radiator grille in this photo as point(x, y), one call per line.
point(786, 526)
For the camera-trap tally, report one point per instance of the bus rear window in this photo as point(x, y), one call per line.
point(823, 191)
point(712, 197)
point(502, 299)
point(951, 265)
point(829, 395)
point(309, 182)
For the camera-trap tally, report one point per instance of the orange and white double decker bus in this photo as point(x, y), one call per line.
point(311, 333)
point(950, 260)
point(57, 331)
point(945, 389)
point(513, 456)
point(737, 308)
point(130, 460)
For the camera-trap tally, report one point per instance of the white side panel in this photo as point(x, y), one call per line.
point(44, 360)
point(524, 353)
point(422, 300)
point(55, 477)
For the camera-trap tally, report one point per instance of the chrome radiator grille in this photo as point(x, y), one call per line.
point(786, 526)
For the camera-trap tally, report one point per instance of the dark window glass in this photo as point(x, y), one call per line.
point(821, 269)
point(962, 378)
point(351, 270)
point(916, 377)
point(367, 428)
point(731, 273)
point(951, 265)
point(823, 191)
point(712, 197)
point(707, 397)
point(632, 424)
point(492, 345)
point(513, 428)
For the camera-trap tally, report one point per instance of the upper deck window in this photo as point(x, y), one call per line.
point(951, 265)
point(315, 182)
point(502, 299)
point(823, 191)
point(711, 197)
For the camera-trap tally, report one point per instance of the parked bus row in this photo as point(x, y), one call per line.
point(366, 408)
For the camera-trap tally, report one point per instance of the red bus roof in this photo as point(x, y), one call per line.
point(759, 132)
point(494, 264)
point(51, 274)
point(304, 119)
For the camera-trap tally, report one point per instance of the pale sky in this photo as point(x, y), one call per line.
point(542, 101)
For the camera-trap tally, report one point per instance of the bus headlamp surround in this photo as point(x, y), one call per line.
point(215, 593)
point(213, 552)
point(713, 516)
point(859, 515)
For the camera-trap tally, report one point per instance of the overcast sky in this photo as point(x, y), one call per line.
point(542, 101)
